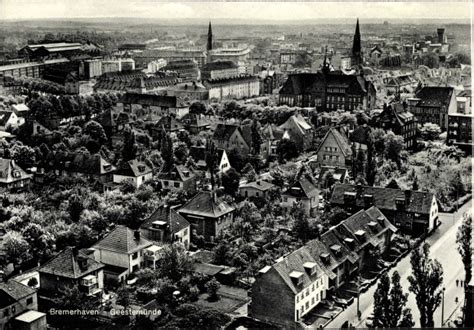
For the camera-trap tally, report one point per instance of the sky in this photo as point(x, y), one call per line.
point(268, 10)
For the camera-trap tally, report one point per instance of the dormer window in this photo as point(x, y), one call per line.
point(297, 277)
point(336, 248)
point(141, 168)
point(16, 174)
point(360, 234)
point(310, 268)
point(372, 225)
point(349, 241)
point(381, 220)
point(325, 257)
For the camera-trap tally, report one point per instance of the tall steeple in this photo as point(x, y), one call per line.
point(325, 68)
point(356, 48)
point(209, 38)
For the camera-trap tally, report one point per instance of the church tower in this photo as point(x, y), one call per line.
point(356, 48)
point(209, 38)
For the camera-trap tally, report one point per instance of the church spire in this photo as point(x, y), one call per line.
point(356, 48)
point(325, 62)
point(209, 38)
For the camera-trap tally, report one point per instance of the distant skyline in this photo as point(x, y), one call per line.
point(279, 11)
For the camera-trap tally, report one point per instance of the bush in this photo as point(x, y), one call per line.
point(32, 282)
point(212, 287)
point(194, 293)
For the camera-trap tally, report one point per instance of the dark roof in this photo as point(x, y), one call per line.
point(360, 133)
point(205, 204)
point(66, 264)
point(384, 198)
point(305, 83)
point(223, 132)
point(302, 188)
point(122, 240)
point(5, 117)
point(341, 141)
point(134, 168)
point(149, 99)
point(219, 81)
point(219, 65)
point(165, 213)
point(177, 173)
point(435, 96)
point(13, 291)
point(78, 162)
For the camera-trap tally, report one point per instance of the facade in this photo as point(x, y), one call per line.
point(413, 212)
point(15, 298)
point(460, 131)
point(189, 91)
point(433, 105)
point(238, 87)
point(135, 172)
point(259, 188)
point(32, 69)
point(328, 91)
point(186, 70)
point(302, 193)
point(299, 131)
point(12, 176)
point(198, 153)
point(230, 137)
point(170, 54)
point(207, 214)
point(195, 123)
point(219, 70)
point(71, 267)
point(153, 105)
point(9, 120)
point(178, 178)
point(396, 118)
point(165, 225)
point(124, 251)
point(334, 149)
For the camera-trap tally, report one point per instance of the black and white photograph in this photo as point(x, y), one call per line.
point(236, 165)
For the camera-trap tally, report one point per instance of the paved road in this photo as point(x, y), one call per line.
point(443, 248)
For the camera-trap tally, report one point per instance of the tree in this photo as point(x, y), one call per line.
point(393, 147)
point(70, 297)
point(41, 241)
point(286, 149)
point(211, 161)
point(75, 207)
point(16, 247)
point(301, 224)
point(359, 163)
point(230, 182)
point(378, 137)
point(32, 282)
point(25, 156)
point(249, 172)
point(221, 253)
point(129, 149)
point(95, 131)
point(431, 60)
point(415, 186)
point(212, 287)
point(464, 242)
point(430, 131)
point(425, 283)
point(197, 108)
point(167, 152)
point(175, 262)
point(371, 168)
point(124, 296)
point(256, 137)
point(236, 159)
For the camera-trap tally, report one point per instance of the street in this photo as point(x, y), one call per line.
point(443, 248)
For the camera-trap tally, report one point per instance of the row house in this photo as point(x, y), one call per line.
point(413, 212)
point(237, 87)
point(123, 251)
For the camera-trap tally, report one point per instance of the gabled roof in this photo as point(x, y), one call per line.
point(11, 172)
point(13, 291)
point(206, 205)
point(296, 121)
point(360, 133)
point(302, 188)
point(341, 141)
point(66, 264)
point(305, 83)
point(223, 132)
point(166, 214)
point(5, 117)
point(435, 96)
point(122, 240)
point(177, 173)
point(384, 198)
point(134, 168)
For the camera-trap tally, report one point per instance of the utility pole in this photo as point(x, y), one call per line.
point(442, 308)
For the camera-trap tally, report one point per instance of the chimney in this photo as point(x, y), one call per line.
point(359, 189)
point(136, 234)
point(75, 251)
point(368, 200)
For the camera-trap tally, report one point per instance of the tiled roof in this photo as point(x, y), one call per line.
point(122, 240)
point(134, 168)
point(304, 83)
point(165, 213)
point(223, 132)
point(341, 141)
point(11, 172)
point(5, 117)
point(204, 204)
point(302, 188)
point(219, 65)
point(435, 96)
point(177, 173)
point(149, 99)
point(65, 264)
point(384, 198)
point(338, 251)
point(14, 291)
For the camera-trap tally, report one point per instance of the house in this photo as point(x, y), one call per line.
point(76, 164)
point(302, 192)
point(124, 251)
point(219, 69)
point(39, 129)
point(198, 154)
point(9, 120)
point(339, 174)
point(207, 214)
point(432, 105)
point(229, 137)
point(194, 91)
point(396, 118)
point(328, 91)
point(154, 104)
point(165, 225)
point(15, 299)
point(166, 124)
point(12, 176)
point(236, 87)
point(178, 178)
point(286, 291)
point(21, 110)
point(133, 171)
point(272, 134)
point(299, 131)
point(358, 137)
point(413, 212)
point(68, 268)
point(30, 320)
point(195, 123)
point(334, 149)
point(258, 188)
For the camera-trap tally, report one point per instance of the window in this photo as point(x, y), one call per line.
point(29, 301)
point(307, 305)
point(6, 313)
point(312, 301)
point(135, 255)
point(177, 184)
point(166, 183)
point(307, 292)
point(297, 298)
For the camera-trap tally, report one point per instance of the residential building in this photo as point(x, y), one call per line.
point(464, 102)
point(207, 214)
point(413, 212)
point(302, 193)
point(195, 123)
point(189, 91)
point(397, 119)
point(299, 131)
point(187, 70)
point(198, 153)
point(328, 91)
point(21, 110)
point(69, 268)
point(12, 176)
point(133, 171)
point(334, 149)
point(123, 251)
point(156, 65)
point(15, 299)
point(238, 87)
point(153, 105)
point(433, 105)
point(230, 137)
point(9, 120)
point(219, 70)
point(459, 133)
point(289, 289)
point(270, 81)
point(178, 178)
point(135, 82)
point(259, 188)
point(170, 54)
point(165, 225)
point(166, 124)
point(30, 320)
